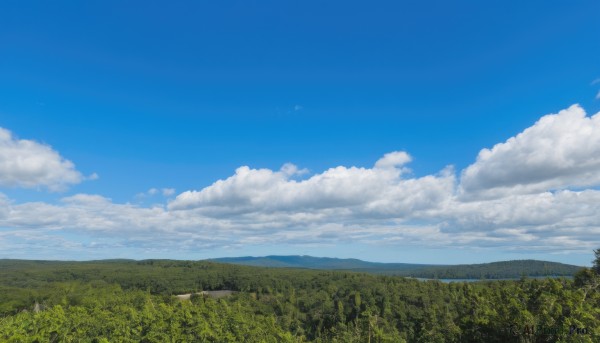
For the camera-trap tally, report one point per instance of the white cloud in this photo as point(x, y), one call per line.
point(28, 164)
point(502, 201)
point(393, 160)
point(546, 222)
point(168, 191)
point(598, 96)
point(361, 191)
point(559, 151)
point(86, 200)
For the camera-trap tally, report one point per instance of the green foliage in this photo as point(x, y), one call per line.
point(130, 301)
point(494, 270)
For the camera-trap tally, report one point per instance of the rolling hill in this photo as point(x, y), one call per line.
point(494, 270)
point(310, 262)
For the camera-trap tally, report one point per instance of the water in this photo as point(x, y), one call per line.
point(506, 279)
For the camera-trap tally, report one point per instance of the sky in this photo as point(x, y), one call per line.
point(394, 131)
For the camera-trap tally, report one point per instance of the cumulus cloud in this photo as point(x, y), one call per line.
point(361, 191)
point(534, 192)
point(561, 221)
point(86, 200)
point(559, 151)
point(28, 164)
point(393, 160)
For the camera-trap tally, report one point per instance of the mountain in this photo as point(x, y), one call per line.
point(311, 262)
point(494, 270)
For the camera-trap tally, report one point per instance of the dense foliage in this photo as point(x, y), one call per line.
point(494, 270)
point(497, 270)
point(129, 301)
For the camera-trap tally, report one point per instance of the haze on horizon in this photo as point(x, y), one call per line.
point(422, 132)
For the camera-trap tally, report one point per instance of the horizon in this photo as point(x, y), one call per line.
point(404, 132)
point(266, 256)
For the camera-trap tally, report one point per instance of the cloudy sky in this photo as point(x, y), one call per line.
point(392, 131)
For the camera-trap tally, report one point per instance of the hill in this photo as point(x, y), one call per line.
point(311, 262)
point(494, 270)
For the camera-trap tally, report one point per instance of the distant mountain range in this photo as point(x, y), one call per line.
point(311, 262)
point(494, 270)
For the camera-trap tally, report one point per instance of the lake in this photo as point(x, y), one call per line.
point(508, 279)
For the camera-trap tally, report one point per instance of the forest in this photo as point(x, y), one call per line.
point(134, 301)
point(495, 270)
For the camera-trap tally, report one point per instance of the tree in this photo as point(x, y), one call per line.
point(596, 261)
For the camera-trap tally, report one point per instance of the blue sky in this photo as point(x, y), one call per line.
point(120, 119)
